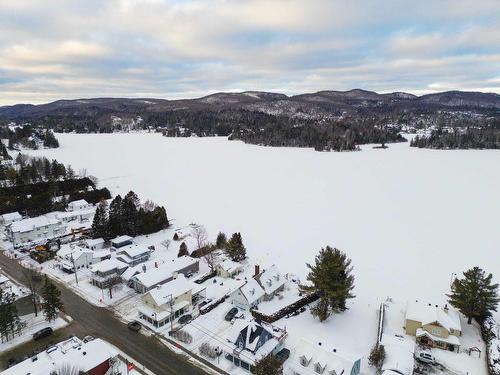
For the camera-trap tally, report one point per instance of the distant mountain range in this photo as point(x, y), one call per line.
point(311, 105)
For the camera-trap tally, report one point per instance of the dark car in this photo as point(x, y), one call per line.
point(134, 326)
point(231, 314)
point(185, 319)
point(44, 332)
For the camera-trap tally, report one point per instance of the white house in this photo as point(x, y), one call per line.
point(107, 273)
point(94, 244)
point(79, 205)
point(228, 268)
point(133, 254)
point(95, 357)
point(34, 230)
point(10, 217)
point(307, 358)
point(75, 257)
point(161, 274)
point(247, 342)
point(79, 216)
point(248, 296)
point(169, 301)
point(271, 281)
point(121, 241)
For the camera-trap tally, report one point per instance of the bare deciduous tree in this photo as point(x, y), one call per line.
point(210, 257)
point(200, 234)
point(32, 278)
point(68, 369)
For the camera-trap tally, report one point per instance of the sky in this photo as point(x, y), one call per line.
point(62, 49)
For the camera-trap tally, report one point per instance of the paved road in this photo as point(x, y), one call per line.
point(100, 322)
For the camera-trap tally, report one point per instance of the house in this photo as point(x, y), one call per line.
point(433, 325)
point(79, 216)
point(248, 296)
point(79, 205)
point(308, 359)
point(399, 355)
point(94, 244)
point(107, 273)
point(161, 274)
point(34, 230)
point(228, 268)
point(134, 254)
point(95, 357)
point(121, 241)
point(247, 342)
point(169, 301)
point(100, 255)
point(271, 281)
point(9, 218)
point(75, 257)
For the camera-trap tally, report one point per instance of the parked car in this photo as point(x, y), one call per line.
point(426, 357)
point(205, 302)
point(134, 326)
point(231, 314)
point(185, 319)
point(44, 332)
point(88, 338)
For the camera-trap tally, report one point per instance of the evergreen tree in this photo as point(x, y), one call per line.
point(475, 295)
point(70, 173)
point(129, 207)
point(52, 301)
point(269, 365)
point(183, 250)
point(100, 224)
point(221, 240)
point(331, 280)
point(234, 248)
point(377, 357)
point(115, 217)
point(10, 323)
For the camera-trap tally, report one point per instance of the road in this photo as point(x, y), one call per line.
point(102, 323)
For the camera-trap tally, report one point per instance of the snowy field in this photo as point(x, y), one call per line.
point(408, 218)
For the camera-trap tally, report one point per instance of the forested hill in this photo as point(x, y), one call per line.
point(325, 120)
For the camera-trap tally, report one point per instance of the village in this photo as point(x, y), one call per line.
point(232, 313)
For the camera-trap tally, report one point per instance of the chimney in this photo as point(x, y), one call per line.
point(143, 268)
point(257, 269)
point(446, 309)
point(156, 264)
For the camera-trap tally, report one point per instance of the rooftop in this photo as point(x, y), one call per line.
point(156, 275)
point(12, 216)
point(30, 224)
point(108, 265)
point(172, 289)
point(428, 313)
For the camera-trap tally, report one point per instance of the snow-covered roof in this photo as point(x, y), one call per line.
point(76, 251)
point(11, 216)
point(65, 214)
point(157, 275)
point(74, 352)
point(121, 239)
point(133, 251)
point(172, 289)
point(30, 224)
point(427, 314)
point(94, 242)
point(252, 290)
point(131, 272)
point(230, 266)
point(315, 354)
point(79, 202)
point(271, 279)
point(451, 339)
point(101, 253)
point(108, 265)
point(398, 359)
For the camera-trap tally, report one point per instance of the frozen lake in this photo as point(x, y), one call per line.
point(408, 218)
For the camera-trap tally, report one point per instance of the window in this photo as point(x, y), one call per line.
point(436, 331)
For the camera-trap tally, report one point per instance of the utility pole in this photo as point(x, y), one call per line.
point(74, 268)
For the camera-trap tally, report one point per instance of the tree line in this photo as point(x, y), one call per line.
point(127, 216)
point(28, 136)
point(471, 138)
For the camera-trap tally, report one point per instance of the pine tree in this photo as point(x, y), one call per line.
point(331, 280)
point(129, 207)
point(234, 248)
point(100, 225)
point(475, 295)
point(115, 220)
point(183, 250)
point(10, 323)
point(268, 365)
point(221, 240)
point(52, 301)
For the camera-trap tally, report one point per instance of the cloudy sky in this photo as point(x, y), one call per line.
point(52, 49)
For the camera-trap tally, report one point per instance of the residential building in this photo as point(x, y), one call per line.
point(34, 230)
point(107, 273)
point(134, 254)
point(161, 274)
point(309, 359)
point(121, 241)
point(10, 217)
point(79, 205)
point(248, 296)
point(250, 341)
point(433, 325)
point(271, 281)
point(169, 301)
point(94, 244)
point(228, 268)
point(79, 216)
point(95, 357)
point(75, 257)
